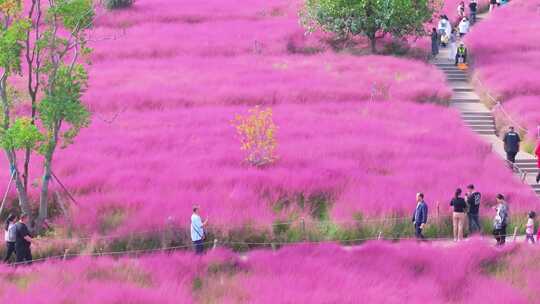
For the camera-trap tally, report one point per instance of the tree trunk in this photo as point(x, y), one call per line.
point(43, 198)
point(373, 43)
point(21, 190)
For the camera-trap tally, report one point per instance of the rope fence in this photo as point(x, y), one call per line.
point(215, 244)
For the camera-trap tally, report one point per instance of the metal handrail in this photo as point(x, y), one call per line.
point(521, 172)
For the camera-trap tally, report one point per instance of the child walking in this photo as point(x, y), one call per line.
point(529, 231)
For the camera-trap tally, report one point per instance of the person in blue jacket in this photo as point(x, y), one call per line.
point(420, 216)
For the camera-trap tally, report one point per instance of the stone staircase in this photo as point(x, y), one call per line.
point(480, 119)
point(475, 115)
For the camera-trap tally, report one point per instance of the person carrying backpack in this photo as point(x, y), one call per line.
point(473, 204)
point(500, 221)
point(9, 236)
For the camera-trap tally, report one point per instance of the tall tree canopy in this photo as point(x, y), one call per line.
point(370, 18)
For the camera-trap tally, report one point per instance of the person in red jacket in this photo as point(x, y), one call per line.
point(537, 152)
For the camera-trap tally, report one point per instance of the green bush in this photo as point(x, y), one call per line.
point(116, 4)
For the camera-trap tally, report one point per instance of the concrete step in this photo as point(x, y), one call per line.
point(485, 132)
point(485, 123)
point(477, 117)
point(527, 165)
point(460, 85)
point(487, 128)
point(477, 114)
point(530, 170)
point(472, 117)
point(456, 77)
point(526, 161)
point(453, 72)
point(464, 100)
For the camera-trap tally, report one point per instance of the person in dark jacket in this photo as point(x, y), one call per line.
point(511, 145)
point(435, 40)
point(473, 204)
point(473, 8)
point(461, 52)
point(420, 214)
point(458, 217)
point(23, 240)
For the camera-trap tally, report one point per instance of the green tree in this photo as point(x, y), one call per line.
point(13, 28)
point(52, 37)
point(370, 18)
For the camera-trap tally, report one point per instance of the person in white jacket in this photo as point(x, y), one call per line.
point(463, 27)
point(444, 28)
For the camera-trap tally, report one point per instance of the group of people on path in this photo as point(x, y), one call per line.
point(462, 208)
point(448, 35)
point(468, 207)
point(18, 239)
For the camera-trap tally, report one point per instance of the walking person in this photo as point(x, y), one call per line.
point(492, 4)
point(537, 152)
point(473, 205)
point(9, 236)
point(458, 216)
point(464, 26)
point(197, 230)
point(511, 145)
point(434, 42)
point(473, 8)
point(453, 44)
point(420, 214)
point(444, 27)
point(461, 10)
point(529, 230)
point(23, 240)
point(500, 221)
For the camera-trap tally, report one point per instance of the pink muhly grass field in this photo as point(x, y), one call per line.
point(506, 52)
point(377, 272)
point(368, 158)
point(161, 137)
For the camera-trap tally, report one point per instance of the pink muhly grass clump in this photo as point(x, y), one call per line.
point(508, 65)
point(377, 273)
point(151, 84)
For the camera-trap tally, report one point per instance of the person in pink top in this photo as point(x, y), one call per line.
point(537, 152)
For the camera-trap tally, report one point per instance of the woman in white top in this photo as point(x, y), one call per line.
point(9, 236)
point(463, 27)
